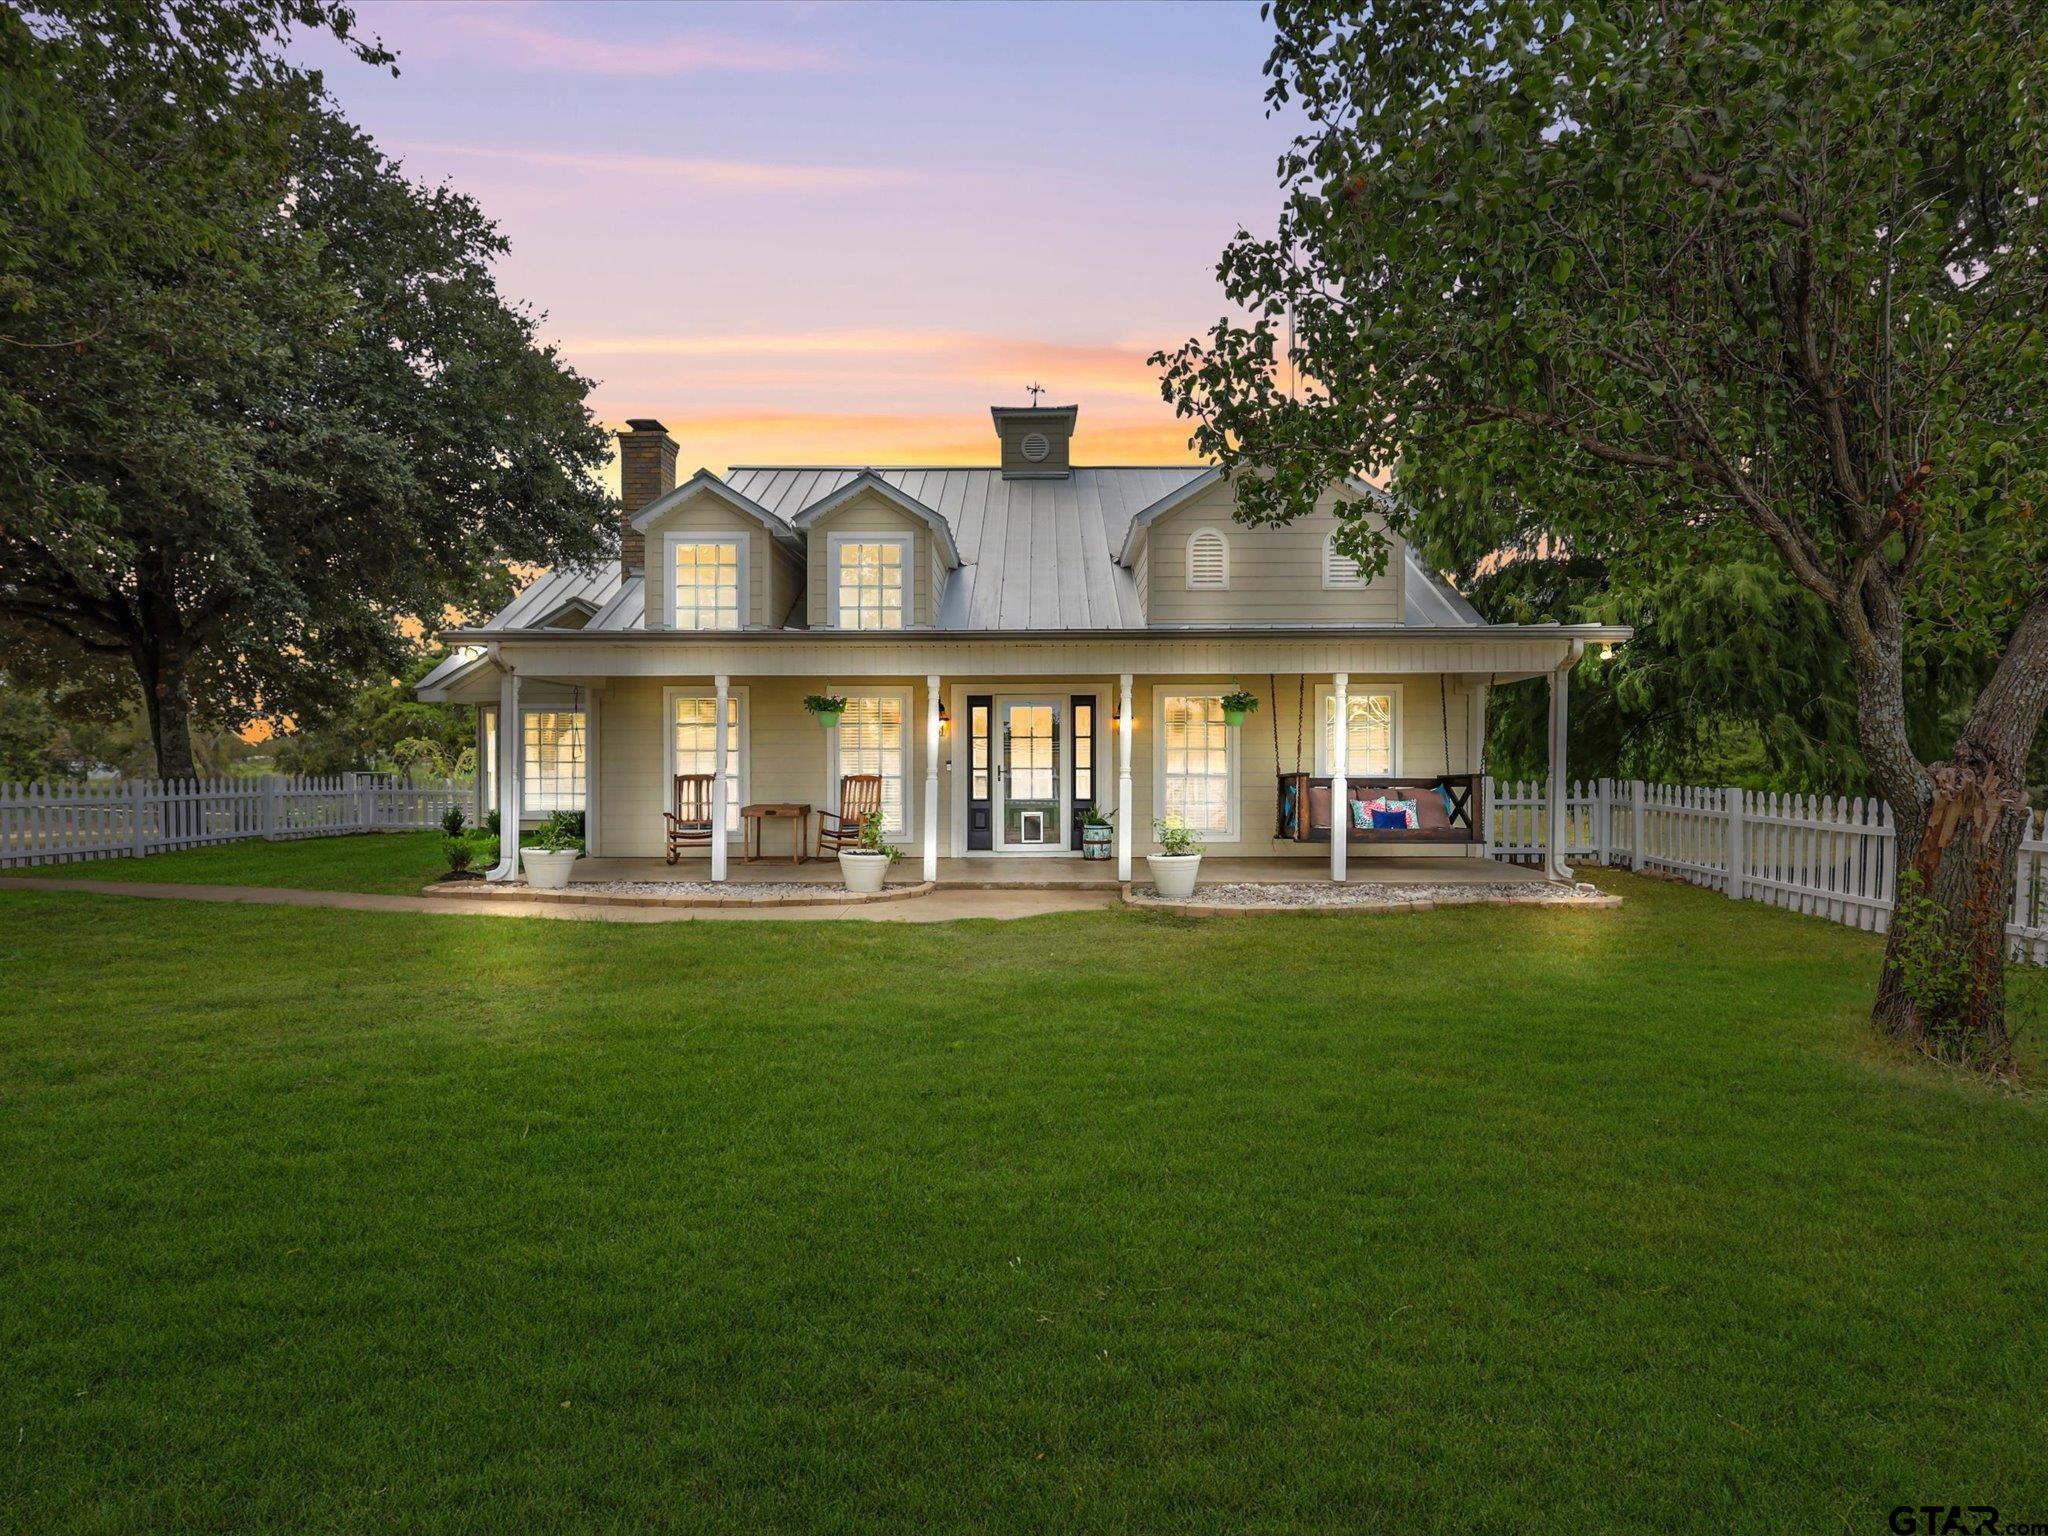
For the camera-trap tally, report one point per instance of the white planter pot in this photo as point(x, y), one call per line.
point(548, 871)
point(863, 872)
point(1173, 874)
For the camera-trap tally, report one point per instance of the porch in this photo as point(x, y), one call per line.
point(1063, 872)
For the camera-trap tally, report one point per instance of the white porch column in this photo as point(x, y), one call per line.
point(1123, 777)
point(720, 795)
point(592, 793)
point(1554, 801)
point(931, 777)
point(505, 777)
point(1340, 788)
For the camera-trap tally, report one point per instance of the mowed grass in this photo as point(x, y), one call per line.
point(1477, 1220)
point(387, 863)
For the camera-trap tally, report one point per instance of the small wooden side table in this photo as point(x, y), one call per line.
point(752, 817)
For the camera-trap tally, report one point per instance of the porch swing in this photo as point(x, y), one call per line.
point(1446, 805)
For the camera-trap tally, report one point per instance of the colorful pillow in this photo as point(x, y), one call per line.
point(1387, 820)
point(1450, 806)
point(1362, 811)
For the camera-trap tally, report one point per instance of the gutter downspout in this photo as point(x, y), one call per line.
point(511, 734)
point(1560, 734)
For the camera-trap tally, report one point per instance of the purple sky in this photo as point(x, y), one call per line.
point(839, 232)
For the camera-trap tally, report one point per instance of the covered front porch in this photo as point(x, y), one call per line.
point(1056, 872)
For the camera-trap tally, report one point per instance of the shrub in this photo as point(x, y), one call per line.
point(453, 821)
point(491, 823)
point(459, 854)
point(484, 848)
point(1176, 838)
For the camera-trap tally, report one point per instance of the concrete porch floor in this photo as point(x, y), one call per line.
point(1068, 872)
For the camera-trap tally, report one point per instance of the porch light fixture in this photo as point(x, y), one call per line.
point(945, 719)
point(1607, 650)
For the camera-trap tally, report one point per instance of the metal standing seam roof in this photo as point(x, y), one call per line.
point(1034, 553)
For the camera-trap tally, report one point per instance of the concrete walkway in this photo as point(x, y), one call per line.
point(940, 907)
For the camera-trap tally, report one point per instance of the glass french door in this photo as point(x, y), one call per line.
point(1030, 810)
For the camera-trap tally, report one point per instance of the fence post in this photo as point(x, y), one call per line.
point(1603, 815)
point(270, 794)
point(1637, 820)
point(1737, 859)
point(1488, 827)
point(138, 797)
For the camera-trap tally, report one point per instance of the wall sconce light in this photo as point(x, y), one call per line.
point(945, 719)
point(1607, 650)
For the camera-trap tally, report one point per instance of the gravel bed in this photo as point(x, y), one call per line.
point(1370, 893)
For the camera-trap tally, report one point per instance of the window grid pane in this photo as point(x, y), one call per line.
point(696, 736)
point(1369, 742)
point(552, 769)
point(870, 739)
point(1196, 746)
point(708, 585)
point(871, 585)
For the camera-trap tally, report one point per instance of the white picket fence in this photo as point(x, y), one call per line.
point(128, 818)
point(1834, 858)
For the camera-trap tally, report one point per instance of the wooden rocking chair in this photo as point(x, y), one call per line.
point(860, 795)
point(689, 824)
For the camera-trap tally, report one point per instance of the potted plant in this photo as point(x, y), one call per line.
point(1097, 828)
point(864, 865)
point(1237, 705)
point(549, 854)
point(1179, 857)
point(825, 708)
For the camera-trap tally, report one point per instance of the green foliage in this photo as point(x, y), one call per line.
point(1176, 838)
point(1241, 700)
point(1720, 319)
point(453, 821)
point(1932, 965)
point(870, 840)
point(1096, 816)
point(384, 724)
point(260, 399)
point(824, 703)
point(458, 851)
point(562, 831)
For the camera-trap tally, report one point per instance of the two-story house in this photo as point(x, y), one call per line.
point(1017, 645)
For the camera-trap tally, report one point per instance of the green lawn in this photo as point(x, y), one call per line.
point(394, 863)
point(1476, 1220)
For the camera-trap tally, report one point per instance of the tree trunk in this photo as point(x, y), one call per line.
point(161, 666)
point(1958, 826)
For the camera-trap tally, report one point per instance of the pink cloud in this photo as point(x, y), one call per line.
point(519, 43)
point(731, 175)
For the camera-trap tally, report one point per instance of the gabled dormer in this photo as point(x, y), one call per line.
point(716, 560)
point(877, 557)
point(1194, 563)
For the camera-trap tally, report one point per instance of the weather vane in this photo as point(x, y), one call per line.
point(1034, 391)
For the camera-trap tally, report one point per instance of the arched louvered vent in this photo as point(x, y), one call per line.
point(1339, 569)
point(1208, 561)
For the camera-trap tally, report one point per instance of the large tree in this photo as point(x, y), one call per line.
point(261, 403)
point(1689, 283)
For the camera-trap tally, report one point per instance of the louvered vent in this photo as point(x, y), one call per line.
point(1339, 570)
point(1208, 561)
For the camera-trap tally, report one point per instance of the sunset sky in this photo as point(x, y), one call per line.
point(839, 232)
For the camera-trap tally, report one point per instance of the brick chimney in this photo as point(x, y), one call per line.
point(647, 470)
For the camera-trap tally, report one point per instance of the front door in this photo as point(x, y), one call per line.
point(1031, 807)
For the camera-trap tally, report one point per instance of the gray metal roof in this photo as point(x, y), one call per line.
point(1035, 554)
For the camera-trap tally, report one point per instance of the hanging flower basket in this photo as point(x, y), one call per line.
point(825, 709)
point(1238, 705)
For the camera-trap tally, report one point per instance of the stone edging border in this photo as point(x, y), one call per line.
point(1265, 908)
point(472, 890)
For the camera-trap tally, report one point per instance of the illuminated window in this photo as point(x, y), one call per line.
point(551, 768)
point(1197, 765)
point(870, 582)
point(709, 579)
point(693, 729)
point(871, 739)
point(1369, 744)
point(1084, 751)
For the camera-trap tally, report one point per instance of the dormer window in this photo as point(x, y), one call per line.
point(707, 583)
point(1208, 561)
point(1339, 569)
point(870, 580)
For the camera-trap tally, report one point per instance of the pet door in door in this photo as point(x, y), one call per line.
point(1031, 826)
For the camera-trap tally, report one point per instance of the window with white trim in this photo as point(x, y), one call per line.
point(1208, 561)
point(1197, 765)
point(870, 581)
point(1369, 744)
point(551, 762)
point(693, 745)
point(707, 583)
point(1339, 569)
point(873, 738)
